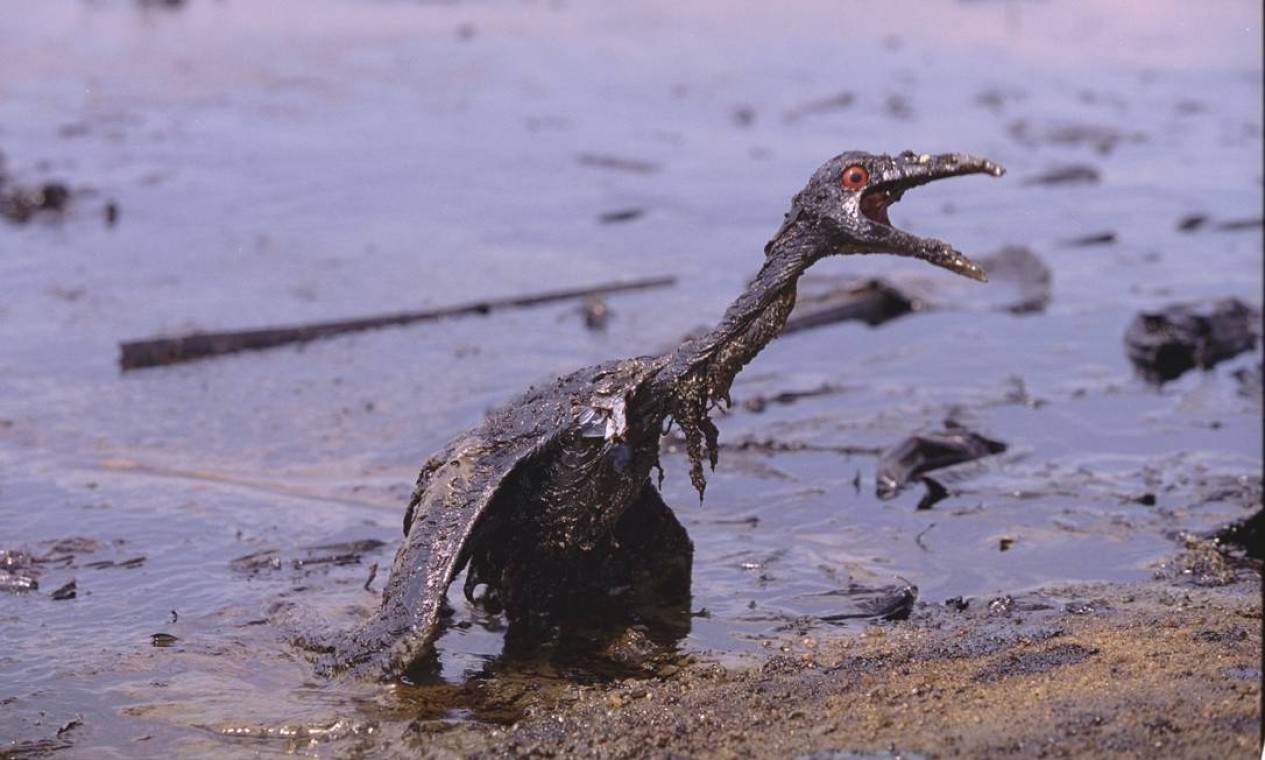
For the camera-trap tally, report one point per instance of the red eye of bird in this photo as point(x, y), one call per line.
point(854, 177)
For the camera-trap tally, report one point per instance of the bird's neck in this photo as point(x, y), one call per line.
point(699, 373)
point(750, 323)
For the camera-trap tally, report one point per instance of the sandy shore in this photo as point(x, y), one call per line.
point(1169, 667)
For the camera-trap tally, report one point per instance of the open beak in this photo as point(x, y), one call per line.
point(906, 171)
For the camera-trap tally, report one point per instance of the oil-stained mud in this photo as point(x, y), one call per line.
point(1072, 672)
point(168, 534)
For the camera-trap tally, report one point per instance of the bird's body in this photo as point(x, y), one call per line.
point(553, 496)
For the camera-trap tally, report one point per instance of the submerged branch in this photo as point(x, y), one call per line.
point(158, 352)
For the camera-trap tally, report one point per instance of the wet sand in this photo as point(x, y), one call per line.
point(1168, 667)
point(1135, 671)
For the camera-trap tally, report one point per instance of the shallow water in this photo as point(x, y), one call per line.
point(298, 161)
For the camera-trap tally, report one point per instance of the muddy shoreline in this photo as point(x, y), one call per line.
point(1168, 667)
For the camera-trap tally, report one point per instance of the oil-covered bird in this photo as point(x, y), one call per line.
point(553, 496)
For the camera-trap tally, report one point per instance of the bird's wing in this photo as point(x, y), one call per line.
point(455, 489)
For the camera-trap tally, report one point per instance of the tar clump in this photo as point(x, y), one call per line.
point(1166, 344)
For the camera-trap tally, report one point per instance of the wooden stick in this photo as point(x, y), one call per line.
point(873, 303)
point(159, 352)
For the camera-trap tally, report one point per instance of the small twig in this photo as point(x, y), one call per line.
point(923, 532)
point(160, 352)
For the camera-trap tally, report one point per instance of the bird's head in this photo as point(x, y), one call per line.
point(843, 209)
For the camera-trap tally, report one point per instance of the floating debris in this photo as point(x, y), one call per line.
point(256, 563)
point(617, 163)
point(743, 116)
point(21, 204)
point(872, 302)
point(897, 106)
point(1072, 174)
point(887, 603)
point(1235, 225)
point(759, 402)
point(1164, 345)
point(315, 557)
point(1094, 238)
point(67, 591)
point(621, 215)
point(17, 571)
point(1021, 269)
point(18, 582)
point(819, 106)
point(911, 458)
point(1019, 283)
point(1101, 138)
point(597, 314)
point(1193, 222)
point(936, 493)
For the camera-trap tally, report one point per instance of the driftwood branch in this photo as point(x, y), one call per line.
point(873, 303)
point(159, 352)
